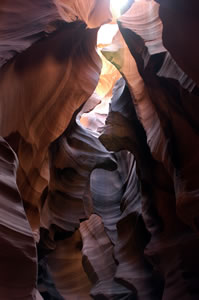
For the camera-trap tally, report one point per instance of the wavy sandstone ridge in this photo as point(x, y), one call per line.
point(99, 150)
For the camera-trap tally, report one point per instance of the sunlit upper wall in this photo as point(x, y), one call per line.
point(93, 12)
point(116, 7)
point(107, 31)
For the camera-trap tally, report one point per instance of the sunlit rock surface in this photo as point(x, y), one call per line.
point(99, 150)
point(174, 192)
point(65, 82)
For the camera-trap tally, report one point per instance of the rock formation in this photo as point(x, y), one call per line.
point(99, 151)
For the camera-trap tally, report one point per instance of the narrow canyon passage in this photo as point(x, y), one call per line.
point(99, 150)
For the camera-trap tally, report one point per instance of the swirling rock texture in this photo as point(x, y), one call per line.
point(56, 63)
point(98, 173)
point(73, 157)
point(173, 173)
point(98, 260)
point(123, 131)
point(18, 251)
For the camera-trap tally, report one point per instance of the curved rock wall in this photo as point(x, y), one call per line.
point(106, 186)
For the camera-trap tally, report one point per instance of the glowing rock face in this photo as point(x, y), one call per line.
point(65, 87)
point(116, 7)
point(107, 144)
point(26, 22)
point(93, 12)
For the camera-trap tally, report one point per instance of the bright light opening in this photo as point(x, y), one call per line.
point(116, 7)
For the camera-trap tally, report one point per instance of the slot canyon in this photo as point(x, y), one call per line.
point(99, 149)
